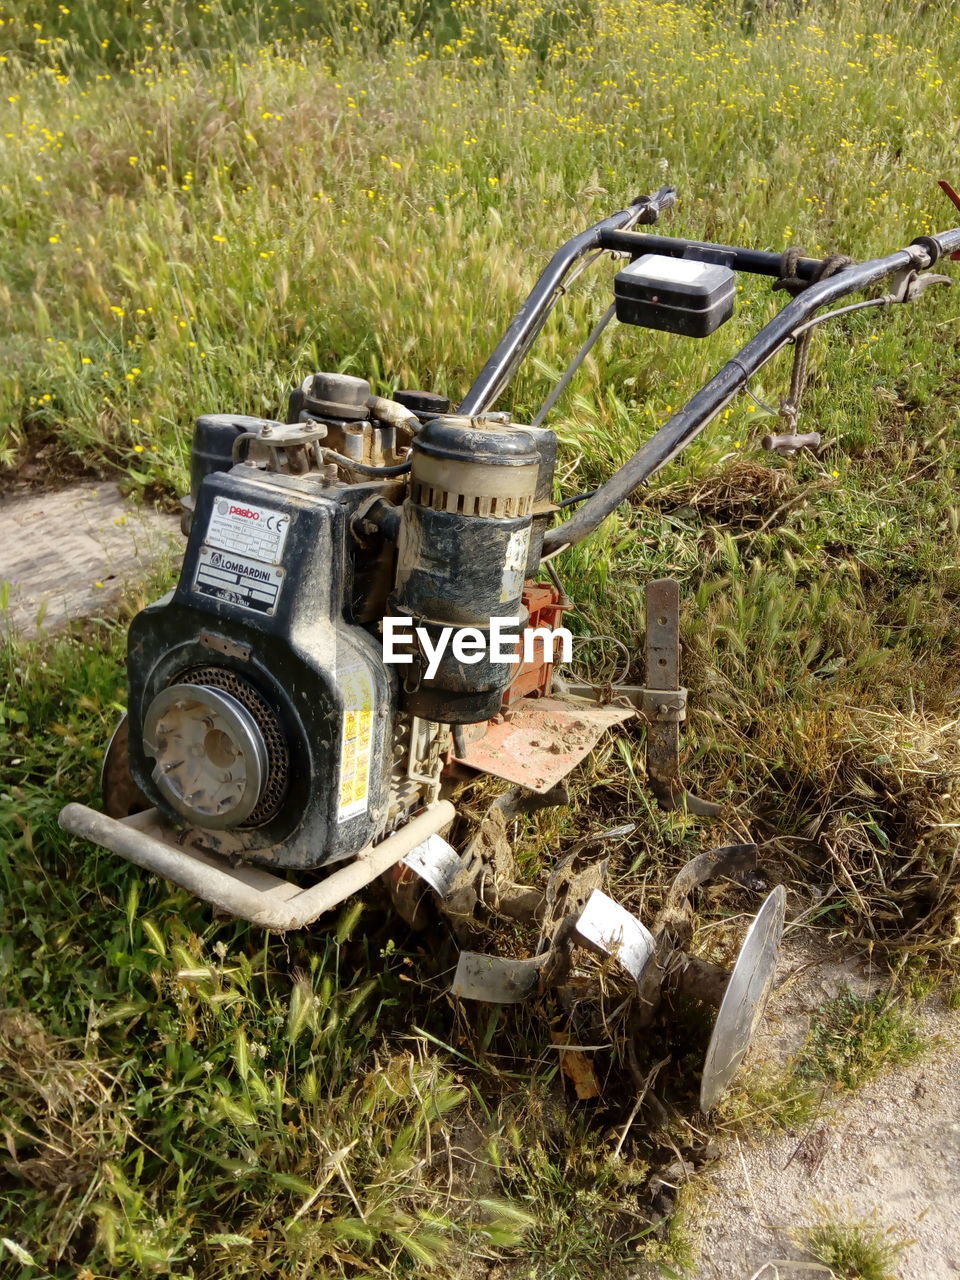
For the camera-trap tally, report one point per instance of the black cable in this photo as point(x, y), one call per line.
point(581, 497)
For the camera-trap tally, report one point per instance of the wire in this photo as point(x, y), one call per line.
point(581, 497)
point(581, 641)
point(555, 552)
point(760, 403)
point(883, 301)
point(574, 365)
point(362, 467)
point(555, 579)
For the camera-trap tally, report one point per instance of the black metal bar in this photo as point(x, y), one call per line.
point(753, 261)
point(687, 424)
point(530, 319)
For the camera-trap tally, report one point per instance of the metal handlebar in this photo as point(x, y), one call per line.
point(532, 316)
point(685, 425)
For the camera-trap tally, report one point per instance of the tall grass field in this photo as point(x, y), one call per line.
point(202, 203)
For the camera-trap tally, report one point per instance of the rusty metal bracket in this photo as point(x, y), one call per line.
point(664, 701)
point(664, 706)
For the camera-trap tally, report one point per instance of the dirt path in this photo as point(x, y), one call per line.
point(889, 1153)
point(66, 554)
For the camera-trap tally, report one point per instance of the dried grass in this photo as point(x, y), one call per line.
point(743, 494)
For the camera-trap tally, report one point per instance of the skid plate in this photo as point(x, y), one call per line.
point(542, 741)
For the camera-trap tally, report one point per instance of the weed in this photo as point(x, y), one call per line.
point(593, 1211)
point(855, 1250)
point(853, 1038)
point(765, 1099)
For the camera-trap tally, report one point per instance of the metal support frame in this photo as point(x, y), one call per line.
point(249, 892)
point(685, 425)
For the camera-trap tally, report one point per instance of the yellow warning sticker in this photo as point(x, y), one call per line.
point(356, 742)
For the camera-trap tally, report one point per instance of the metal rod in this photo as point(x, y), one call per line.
point(530, 319)
point(250, 893)
point(757, 262)
point(842, 311)
point(574, 365)
point(684, 426)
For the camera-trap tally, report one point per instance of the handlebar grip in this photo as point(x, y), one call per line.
point(790, 443)
point(943, 244)
point(652, 205)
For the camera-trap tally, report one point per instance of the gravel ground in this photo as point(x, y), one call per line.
point(889, 1153)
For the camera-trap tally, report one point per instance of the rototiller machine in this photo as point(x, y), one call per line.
point(338, 655)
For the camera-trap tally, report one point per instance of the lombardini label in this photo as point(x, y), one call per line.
point(248, 570)
point(247, 583)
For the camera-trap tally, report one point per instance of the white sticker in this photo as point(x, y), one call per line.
point(256, 532)
point(614, 930)
point(356, 742)
point(515, 565)
point(248, 583)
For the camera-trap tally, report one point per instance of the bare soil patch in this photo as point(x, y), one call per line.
point(889, 1153)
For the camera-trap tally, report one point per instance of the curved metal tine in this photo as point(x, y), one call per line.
point(674, 921)
point(571, 883)
point(602, 925)
point(501, 980)
point(605, 926)
point(725, 862)
point(436, 862)
point(495, 979)
point(679, 799)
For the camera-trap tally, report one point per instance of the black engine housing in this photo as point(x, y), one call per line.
point(262, 611)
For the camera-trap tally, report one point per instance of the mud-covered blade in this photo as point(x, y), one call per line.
point(605, 924)
point(496, 979)
point(436, 862)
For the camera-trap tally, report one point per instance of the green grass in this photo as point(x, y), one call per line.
point(855, 1250)
point(854, 1038)
point(851, 1040)
point(199, 204)
point(184, 1096)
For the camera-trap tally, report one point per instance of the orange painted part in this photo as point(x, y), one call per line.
point(945, 186)
point(543, 602)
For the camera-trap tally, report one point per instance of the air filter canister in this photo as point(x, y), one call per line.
point(462, 554)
